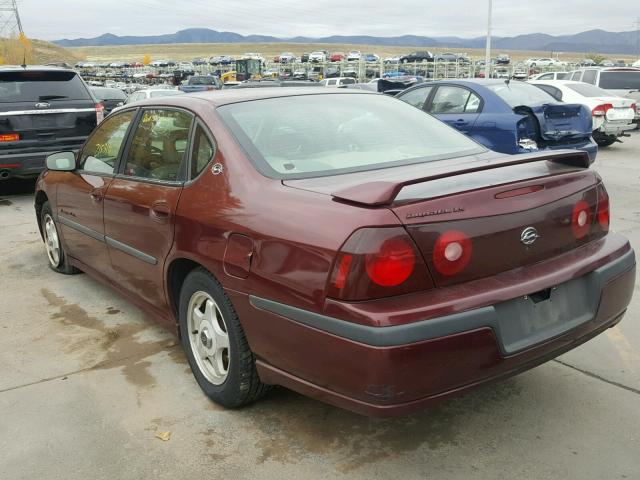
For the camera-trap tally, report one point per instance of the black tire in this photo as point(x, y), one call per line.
point(605, 141)
point(62, 264)
point(242, 385)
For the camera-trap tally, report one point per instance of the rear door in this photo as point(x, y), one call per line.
point(80, 196)
point(49, 109)
point(457, 106)
point(140, 203)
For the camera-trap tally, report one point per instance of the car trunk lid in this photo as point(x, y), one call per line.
point(557, 123)
point(492, 203)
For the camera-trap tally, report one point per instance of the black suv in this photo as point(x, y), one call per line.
point(413, 57)
point(43, 110)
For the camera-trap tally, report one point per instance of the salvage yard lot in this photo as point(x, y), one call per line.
point(188, 51)
point(86, 384)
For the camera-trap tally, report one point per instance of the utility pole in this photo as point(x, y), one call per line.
point(487, 55)
point(637, 25)
point(10, 24)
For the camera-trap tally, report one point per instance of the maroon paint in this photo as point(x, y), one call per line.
point(289, 234)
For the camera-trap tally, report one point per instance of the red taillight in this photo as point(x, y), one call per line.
point(392, 264)
point(634, 107)
point(9, 137)
point(377, 263)
point(452, 253)
point(581, 219)
point(601, 110)
point(603, 208)
point(99, 113)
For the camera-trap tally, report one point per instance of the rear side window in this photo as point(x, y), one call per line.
point(620, 80)
point(553, 91)
point(589, 76)
point(44, 86)
point(159, 144)
point(454, 100)
point(202, 152)
point(576, 76)
point(103, 147)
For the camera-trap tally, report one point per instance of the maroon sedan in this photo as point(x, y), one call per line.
point(344, 245)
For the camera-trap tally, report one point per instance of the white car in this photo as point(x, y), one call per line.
point(551, 76)
point(252, 56)
point(353, 56)
point(391, 60)
point(544, 62)
point(317, 57)
point(152, 93)
point(337, 82)
point(612, 115)
point(185, 66)
point(635, 64)
point(287, 57)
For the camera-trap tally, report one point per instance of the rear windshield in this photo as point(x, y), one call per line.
point(519, 93)
point(315, 135)
point(164, 93)
point(620, 80)
point(588, 90)
point(202, 81)
point(32, 86)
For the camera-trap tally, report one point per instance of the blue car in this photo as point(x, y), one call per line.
point(506, 116)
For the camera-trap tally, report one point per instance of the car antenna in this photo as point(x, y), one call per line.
point(24, 60)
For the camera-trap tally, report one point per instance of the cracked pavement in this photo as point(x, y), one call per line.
point(86, 381)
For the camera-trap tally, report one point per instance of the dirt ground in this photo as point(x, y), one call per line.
point(87, 384)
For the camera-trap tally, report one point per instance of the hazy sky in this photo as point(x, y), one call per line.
point(51, 19)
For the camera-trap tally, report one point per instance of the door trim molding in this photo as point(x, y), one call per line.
point(111, 242)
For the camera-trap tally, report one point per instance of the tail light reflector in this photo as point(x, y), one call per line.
point(377, 263)
point(603, 208)
point(601, 110)
point(634, 107)
point(9, 137)
point(581, 219)
point(452, 253)
point(99, 113)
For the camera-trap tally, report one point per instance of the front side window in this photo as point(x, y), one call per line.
point(454, 100)
point(576, 76)
point(103, 147)
point(158, 145)
point(314, 135)
point(416, 97)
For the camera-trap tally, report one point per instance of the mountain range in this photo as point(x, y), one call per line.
point(596, 41)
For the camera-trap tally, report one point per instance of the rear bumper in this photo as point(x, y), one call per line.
point(398, 369)
point(588, 146)
point(611, 128)
point(31, 163)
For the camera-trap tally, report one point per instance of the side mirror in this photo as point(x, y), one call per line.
point(62, 161)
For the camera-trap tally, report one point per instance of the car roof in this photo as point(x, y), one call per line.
point(34, 68)
point(224, 97)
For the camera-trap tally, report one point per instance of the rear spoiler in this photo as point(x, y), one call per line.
point(381, 193)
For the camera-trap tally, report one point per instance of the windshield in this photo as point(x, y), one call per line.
point(47, 86)
point(314, 135)
point(588, 90)
point(620, 80)
point(519, 93)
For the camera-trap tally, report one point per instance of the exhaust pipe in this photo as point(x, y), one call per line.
point(5, 174)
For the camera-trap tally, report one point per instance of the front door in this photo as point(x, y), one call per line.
point(457, 106)
point(80, 196)
point(140, 203)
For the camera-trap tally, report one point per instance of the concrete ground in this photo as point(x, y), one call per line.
point(86, 383)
